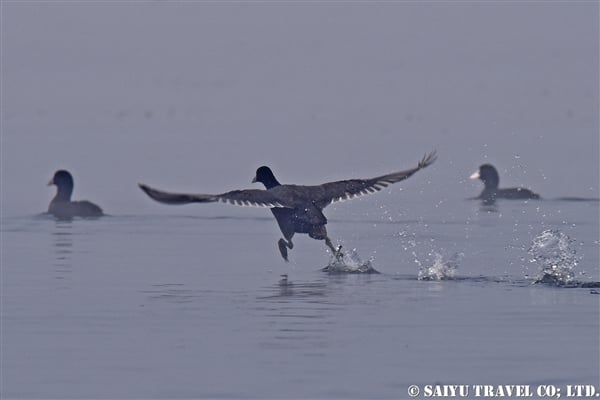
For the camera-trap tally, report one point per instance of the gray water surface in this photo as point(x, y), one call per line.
point(191, 306)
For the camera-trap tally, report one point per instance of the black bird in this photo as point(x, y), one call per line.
point(489, 175)
point(297, 209)
point(61, 205)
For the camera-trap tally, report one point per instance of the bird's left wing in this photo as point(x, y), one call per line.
point(331, 192)
point(249, 197)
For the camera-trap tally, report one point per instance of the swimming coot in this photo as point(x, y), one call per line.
point(489, 175)
point(297, 209)
point(61, 205)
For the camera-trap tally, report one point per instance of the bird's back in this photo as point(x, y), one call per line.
point(517, 193)
point(70, 209)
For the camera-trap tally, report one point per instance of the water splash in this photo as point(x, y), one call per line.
point(407, 240)
point(349, 263)
point(552, 251)
point(441, 270)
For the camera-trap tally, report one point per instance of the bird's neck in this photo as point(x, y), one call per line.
point(491, 184)
point(63, 194)
point(271, 183)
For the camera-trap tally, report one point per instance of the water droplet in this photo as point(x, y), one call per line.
point(552, 251)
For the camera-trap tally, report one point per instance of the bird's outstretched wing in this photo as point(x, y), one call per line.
point(331, 192)
point(249, 197)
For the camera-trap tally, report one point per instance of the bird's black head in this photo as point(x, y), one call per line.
point(265, 176)
point(64, 183)
point(489, 175)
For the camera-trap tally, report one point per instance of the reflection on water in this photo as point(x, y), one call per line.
point(286, 290)
point(174, 293)
point(296, 315)
point(488, 206)
point(62, 244)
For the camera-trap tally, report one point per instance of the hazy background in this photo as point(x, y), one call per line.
point(196, 95)
point(169, 302)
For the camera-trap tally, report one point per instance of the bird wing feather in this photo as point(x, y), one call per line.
point(248, 198)
point(345, 190)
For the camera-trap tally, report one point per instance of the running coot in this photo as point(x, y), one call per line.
point(297, 208)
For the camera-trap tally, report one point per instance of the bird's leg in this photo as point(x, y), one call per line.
point(320, 233)
point(283, 246)
point(336, 252)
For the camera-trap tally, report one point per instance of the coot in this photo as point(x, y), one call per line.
point(489, 175)
point(61, 205)
point(297, 208)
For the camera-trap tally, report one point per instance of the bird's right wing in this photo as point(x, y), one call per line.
point(249, 197)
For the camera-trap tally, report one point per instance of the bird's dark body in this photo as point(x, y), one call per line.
point(297, 208)
point(510, 194)
point(296, 220)
point(305, 216)
point(293, 221)
point(71, 209)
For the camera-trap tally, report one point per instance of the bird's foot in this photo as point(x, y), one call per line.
point(338, 253)
point(283, 249)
